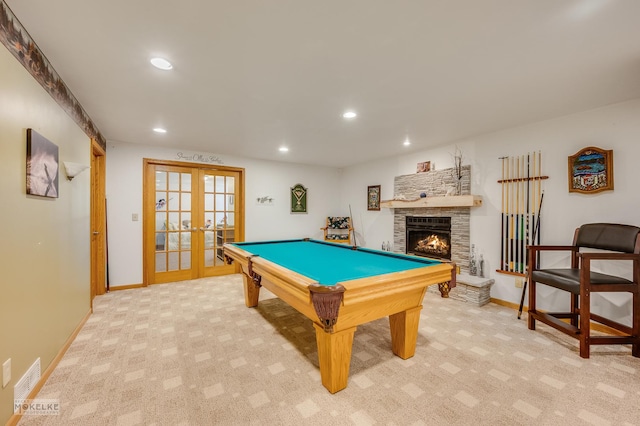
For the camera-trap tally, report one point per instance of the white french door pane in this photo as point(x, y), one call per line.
point(208, 183)
point(219, 186)
point(174, 258)
point(209, 219)
point(208, 202)
point(185, 184)
point(161, 262)
point(185, 260)
point(161, 180)
point(185, 240)
point(220, 202)
point(174, 181)
point(185, 201)
point(174, 219)
point(174, 201)
point(230, 218)
point(209, 256)
point(161, 200)
point(185, 219)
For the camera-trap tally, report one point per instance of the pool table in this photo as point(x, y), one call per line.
point(339, 287)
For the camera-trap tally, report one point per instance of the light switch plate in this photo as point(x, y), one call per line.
point(134, 217)
point(6, 372)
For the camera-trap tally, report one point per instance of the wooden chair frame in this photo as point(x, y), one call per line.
point(339, 224)
point(581, 281)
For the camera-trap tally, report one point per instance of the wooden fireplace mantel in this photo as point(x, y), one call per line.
point(434, 202)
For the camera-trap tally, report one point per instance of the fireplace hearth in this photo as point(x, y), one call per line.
point(429, 236)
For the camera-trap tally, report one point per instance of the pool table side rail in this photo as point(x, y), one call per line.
point(362, 289)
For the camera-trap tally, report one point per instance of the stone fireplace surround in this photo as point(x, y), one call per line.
point(435, 183)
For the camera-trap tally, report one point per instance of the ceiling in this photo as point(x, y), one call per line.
point(252, 75)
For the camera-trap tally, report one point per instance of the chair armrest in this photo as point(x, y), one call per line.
point(609, 256)
point(552, 248)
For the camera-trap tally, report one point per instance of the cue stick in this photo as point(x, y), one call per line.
point(522, 235)
point(503, 220)
point(535, 231)
point(534, 195)
point(505, 266)
point(516, 264)
point(507, 211)
point(520, 209)
point(353, 228)
point(518, 221)
point(539, 189)
point(511, 208)
point(527, 241)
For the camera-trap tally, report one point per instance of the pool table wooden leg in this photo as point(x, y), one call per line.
point(404, 332)
point(334, 356)
point(251, 291)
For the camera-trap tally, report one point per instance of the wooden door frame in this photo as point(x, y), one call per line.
point(148, 205)
point(98, 221)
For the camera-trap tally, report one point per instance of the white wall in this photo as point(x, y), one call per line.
point(124, 198)
point(614, 127)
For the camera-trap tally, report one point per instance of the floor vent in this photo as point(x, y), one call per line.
point(25, 385)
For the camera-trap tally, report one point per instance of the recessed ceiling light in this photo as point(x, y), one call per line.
point(406, 142)
point(161, 63)
point(160, 130)
point(349, 114)
point(283, 149)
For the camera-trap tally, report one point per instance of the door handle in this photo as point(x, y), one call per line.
point(95, 233)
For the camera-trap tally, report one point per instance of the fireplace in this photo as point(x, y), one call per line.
point(429, 236)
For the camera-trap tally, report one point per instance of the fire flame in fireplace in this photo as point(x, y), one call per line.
point(433, 244)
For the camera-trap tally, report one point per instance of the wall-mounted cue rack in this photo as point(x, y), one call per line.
point(522, 197)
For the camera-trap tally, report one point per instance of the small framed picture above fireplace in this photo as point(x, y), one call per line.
point(425, 166)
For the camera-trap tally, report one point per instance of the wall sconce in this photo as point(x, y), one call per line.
point(73, 169)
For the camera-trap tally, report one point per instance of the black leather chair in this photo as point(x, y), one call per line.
point(622, 243)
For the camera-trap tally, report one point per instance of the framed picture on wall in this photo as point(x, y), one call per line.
point(423, 167)
point(591, 170)
point(298, 199)
point(42, 166)
point(373, 197)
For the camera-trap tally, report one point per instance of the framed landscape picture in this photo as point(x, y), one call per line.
point(373, 197)
point(591, 170)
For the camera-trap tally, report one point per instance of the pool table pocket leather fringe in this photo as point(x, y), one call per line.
point(326, 302)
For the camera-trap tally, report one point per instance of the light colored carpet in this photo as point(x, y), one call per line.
point(191, 353)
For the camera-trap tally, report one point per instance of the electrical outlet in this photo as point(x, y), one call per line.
point(6, 372)
point(518, 282)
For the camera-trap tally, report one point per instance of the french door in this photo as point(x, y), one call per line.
point(190, 212)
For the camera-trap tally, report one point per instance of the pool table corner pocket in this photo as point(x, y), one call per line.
point(326, 300)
